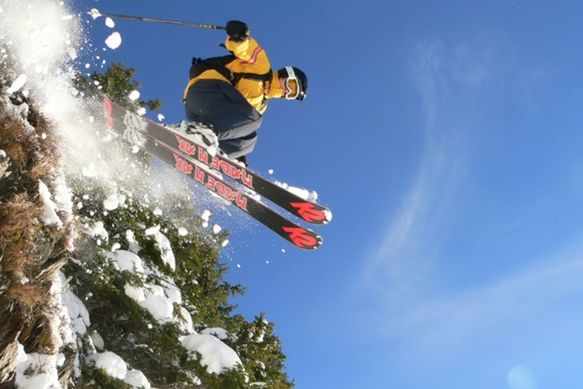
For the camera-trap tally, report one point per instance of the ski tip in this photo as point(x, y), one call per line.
point(311, 212)
point(302, 238)
point(328, 213)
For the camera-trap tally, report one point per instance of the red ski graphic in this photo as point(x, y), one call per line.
point(108, 112)
point(310, 213)
point(302, 237)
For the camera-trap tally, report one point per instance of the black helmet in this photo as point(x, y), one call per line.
point(293, 73)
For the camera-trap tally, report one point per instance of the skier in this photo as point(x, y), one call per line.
point(229, 94)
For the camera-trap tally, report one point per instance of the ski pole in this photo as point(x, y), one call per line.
point(163, 21)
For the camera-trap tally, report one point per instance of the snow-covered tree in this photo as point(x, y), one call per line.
point(103, 283)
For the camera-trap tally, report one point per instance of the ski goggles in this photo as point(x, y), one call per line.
point(290, 94)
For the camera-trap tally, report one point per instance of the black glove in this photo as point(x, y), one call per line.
point(237, 30)
point(244, 160)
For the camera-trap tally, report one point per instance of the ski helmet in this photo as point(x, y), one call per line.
point(293, 73)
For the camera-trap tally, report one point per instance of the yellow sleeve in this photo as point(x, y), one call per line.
point(251, 58)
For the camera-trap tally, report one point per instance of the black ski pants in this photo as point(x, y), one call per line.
point(222, 107)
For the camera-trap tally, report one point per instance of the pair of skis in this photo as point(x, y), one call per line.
point(194, 160)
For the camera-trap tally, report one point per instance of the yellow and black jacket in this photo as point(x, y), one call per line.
point(247, 68)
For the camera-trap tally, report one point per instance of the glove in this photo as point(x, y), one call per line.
point(243, 160)
point(237, 30)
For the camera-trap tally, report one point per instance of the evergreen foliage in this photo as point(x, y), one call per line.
point(117, 82)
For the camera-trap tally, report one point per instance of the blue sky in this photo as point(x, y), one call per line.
point(446, 138)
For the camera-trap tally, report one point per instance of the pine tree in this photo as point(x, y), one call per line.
point(117, 82)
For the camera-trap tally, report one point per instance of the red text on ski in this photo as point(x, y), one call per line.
point(218, 187)
point(183, 165)
point(201, 154)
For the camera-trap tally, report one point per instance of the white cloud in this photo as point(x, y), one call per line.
point(520, 377)
point(414, 306)
point(493, 310)
point(448, 81)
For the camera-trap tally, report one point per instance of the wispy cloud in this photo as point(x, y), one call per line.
point(457, 317)
point(448, 81)
point(412, 308)
point(520, 377)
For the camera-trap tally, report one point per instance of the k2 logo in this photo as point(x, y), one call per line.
point(302, 237)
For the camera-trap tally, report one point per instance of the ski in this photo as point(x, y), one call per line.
point(308, 211)
point(127, 127)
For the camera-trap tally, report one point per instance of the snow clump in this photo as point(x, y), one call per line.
point(113, 41)
point(134, 95)
point(94, 13)
point(214, 354)
point(163, 244)
point(113, 365)
point(49, 215)
point(36, 370)
point(17, 84)
point(114, 201)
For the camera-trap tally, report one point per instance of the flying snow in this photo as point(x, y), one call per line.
point(206, 216)
point(303, 193)
point(17, 84)
point(113, 41)
point(94, 13)
point(134, 95)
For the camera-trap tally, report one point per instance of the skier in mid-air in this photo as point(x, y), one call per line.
point(229, 94)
